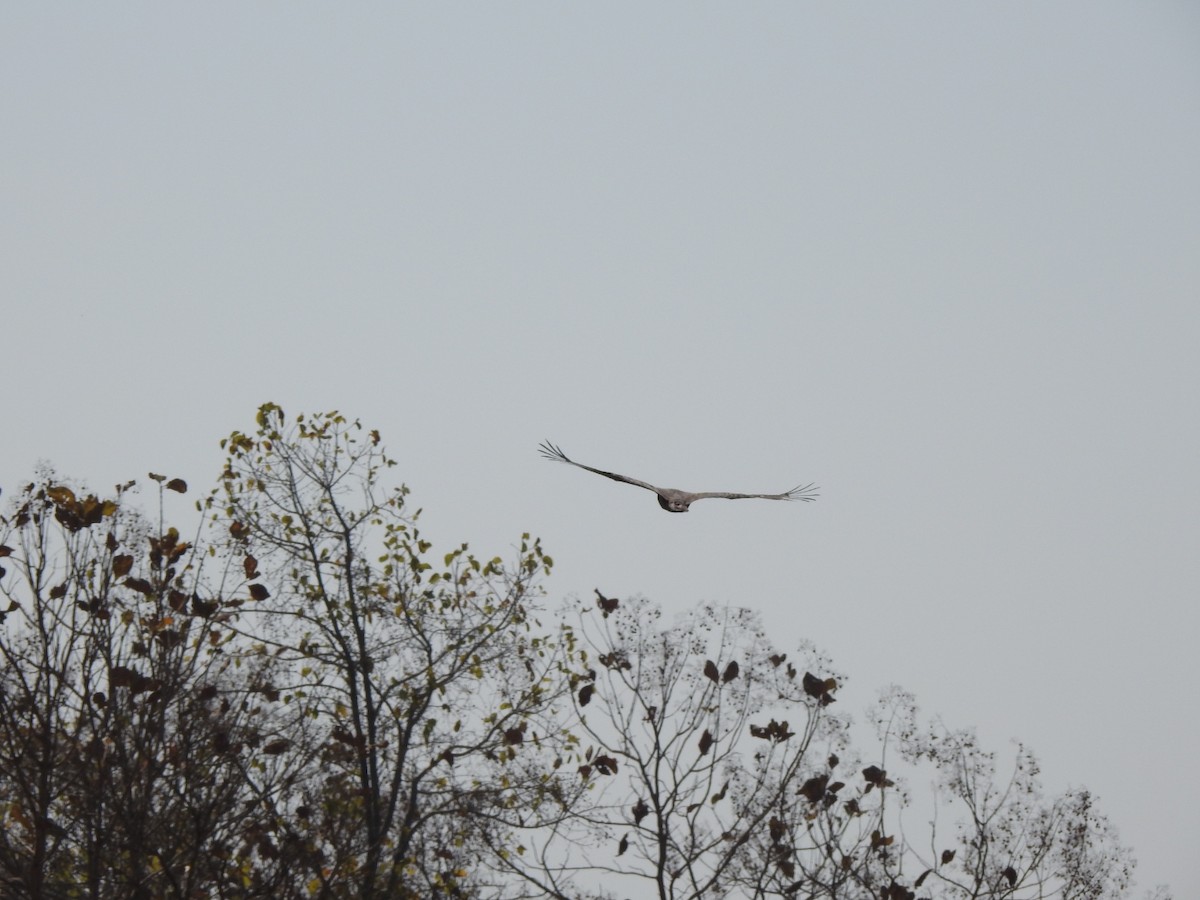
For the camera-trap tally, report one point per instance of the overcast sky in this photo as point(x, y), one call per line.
point(941, 258)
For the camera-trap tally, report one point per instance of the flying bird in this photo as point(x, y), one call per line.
point(676, 501)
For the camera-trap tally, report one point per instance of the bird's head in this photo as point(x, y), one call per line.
point(673, 504)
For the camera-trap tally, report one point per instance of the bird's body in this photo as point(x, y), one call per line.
point(672, 499)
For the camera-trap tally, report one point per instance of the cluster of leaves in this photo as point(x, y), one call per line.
point(305, 700)
point(129, 754)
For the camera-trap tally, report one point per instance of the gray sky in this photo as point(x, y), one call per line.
point(943, 259)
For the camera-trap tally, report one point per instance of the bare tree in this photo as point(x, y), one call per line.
point(120, 772)
point(1009, 840)
point(717, 769)
point(430, 680)
point(693, 736)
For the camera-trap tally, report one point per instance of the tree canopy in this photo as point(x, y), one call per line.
point(305, 700)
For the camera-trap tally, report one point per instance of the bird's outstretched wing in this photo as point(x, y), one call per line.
point(805, 492)
point(552, 452)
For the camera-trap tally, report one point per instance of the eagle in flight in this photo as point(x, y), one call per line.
point(676, 501)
